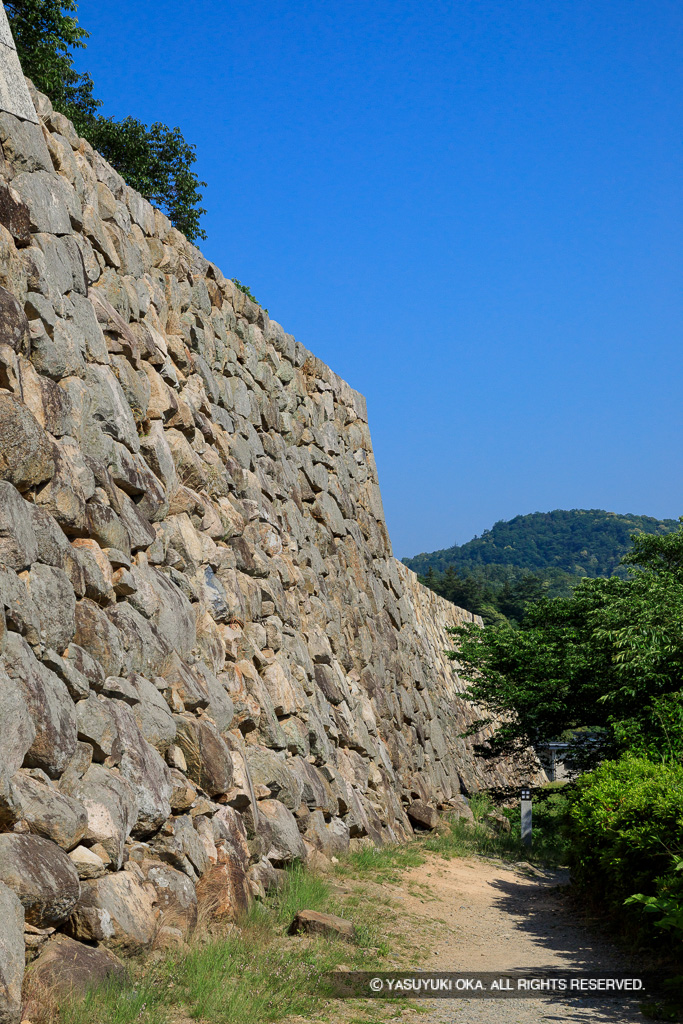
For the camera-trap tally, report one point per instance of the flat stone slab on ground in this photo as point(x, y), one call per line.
point(312, 923)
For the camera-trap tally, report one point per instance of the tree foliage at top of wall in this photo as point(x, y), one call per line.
point(247, 291)
point(154, 160)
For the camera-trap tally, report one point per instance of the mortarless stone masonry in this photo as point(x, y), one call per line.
point(210, 662)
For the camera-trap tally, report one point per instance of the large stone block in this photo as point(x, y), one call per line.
point(50, 706)
point(11, 955)
point(18, 541)
point(41, 875)
point(282, 839)
point(176, 899)
point(116, 909)
point(47, 812)
point(270, 769)
point(17, 730)
point(65, 969)
point(112, 808)
point(26, 451)
point(14, 329)
point(55, 601)
point(209, 763)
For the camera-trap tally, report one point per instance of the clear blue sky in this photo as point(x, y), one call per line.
point(472, 210)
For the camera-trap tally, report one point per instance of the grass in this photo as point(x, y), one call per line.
point(251, 974)
point(550, 845)
point(254, 973)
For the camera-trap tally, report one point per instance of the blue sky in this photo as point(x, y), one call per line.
point(471, 210)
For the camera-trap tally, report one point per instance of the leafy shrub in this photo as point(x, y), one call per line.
point(247, 291)
point(667, 904)
point(627, 824)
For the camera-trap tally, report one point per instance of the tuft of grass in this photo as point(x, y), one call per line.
point(300, 890)
point(117, 1002)
point(382, 864)
point(250, 974)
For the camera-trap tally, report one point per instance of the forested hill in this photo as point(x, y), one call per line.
point(583, 542)
point(544, 553)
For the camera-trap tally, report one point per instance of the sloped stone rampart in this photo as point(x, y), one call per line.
point(210, 662)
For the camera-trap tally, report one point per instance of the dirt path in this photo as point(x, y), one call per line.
point(475, 915)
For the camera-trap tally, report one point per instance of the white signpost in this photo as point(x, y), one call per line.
point(526, 815)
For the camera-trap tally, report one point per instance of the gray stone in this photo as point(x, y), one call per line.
point(112, 809)
point(17, 730)
point(41, 875)
point(26, 452)
point(49, 813)
point(11, 950)
point(332, 839)
point(115, 909)
point(284, 841)
point(14, 329)
point(176, 898)
point(45, 200)
point(51, 708)
point(209, 763)
point(421, 815)
point(58, 352)
point(85, 318)
point(269, 769)
point(53, 596)
point(18, 541)
point(23, 144)
point(310, 922)
point(87, 863)
point(66, 969)
point(109, 406)
point(21, 614)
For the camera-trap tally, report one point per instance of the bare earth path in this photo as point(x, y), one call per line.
point(478, 915)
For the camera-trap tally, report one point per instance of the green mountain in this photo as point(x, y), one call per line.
point(544, 553)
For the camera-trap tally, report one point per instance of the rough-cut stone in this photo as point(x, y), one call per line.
point(18, 541)
point(52, 593)
point(13, 323)
point(270, 769)
point(115, 909)
point(17, 730)
point(422, 815)
point(199, 581)
point(11, 955)
point(329, 925)
point(87, 863)
point(50, 706)
point(49, 813)
point(66, 968)
point(176, 899)
point(278, 825)
point(111, 806)
point(224, 891)
point(208, 759)
point(26, 452)
point(41, 875)
point(331, 839)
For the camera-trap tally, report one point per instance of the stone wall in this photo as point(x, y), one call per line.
point(210, 662)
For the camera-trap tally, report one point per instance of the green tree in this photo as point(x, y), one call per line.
point(155, 160)
point(607, 659)
point(46, 33)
